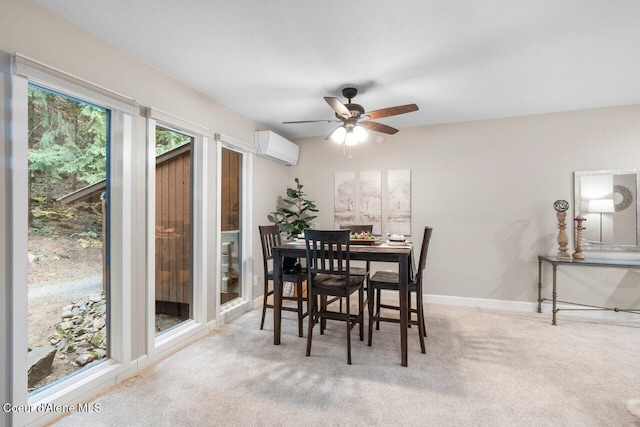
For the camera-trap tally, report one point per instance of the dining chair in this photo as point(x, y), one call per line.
point(390, 281)
point(270, 237)
point(328, 275)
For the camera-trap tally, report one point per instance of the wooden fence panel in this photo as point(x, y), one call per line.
point(173, 229)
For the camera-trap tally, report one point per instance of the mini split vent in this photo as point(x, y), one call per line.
point(274, 147)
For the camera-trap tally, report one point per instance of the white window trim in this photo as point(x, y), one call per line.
point(104, 374)
point(233, 309)
point(5, 235)
point(53, 78)
point(158, 345)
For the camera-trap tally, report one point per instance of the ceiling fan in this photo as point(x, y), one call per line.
point(355, 119)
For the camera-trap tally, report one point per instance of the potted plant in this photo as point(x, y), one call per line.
point(294, 217)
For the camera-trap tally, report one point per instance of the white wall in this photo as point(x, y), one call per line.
point(268, 184)
point(487, 189)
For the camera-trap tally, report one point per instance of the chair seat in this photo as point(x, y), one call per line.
point(290, 277)
point(336, 282)
point(388, 280)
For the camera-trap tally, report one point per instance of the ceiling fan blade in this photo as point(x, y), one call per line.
point(311, 121)
point(338, 107)
point(391, 111)
point(379, 127)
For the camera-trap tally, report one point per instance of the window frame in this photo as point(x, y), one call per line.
point(158, 345)
point(123, 111)
point(243, 304)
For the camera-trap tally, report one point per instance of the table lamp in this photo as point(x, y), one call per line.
point(601, 206)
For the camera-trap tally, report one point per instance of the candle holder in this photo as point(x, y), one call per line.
point(578, 254)
point(561, 207)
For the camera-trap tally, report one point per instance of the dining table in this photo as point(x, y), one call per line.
point(376, 252)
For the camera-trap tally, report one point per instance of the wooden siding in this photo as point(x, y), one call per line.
point(231, 173)
point(173, 229)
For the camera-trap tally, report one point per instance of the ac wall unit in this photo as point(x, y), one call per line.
point(274, 147)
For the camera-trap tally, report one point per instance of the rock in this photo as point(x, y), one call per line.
point(99, 323)
point(97, 339)
point(33, 257)
point(65, 326)
point(84, 358)
point(40, 361)
point(80, 336)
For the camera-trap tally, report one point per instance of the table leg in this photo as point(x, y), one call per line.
point(539, 286)
point(403, 273)
point(277, 297)
point(553, 296)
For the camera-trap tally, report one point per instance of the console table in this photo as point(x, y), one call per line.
point(589, 262)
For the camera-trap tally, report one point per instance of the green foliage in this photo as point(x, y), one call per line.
point(167, 140)
point(294, 217)
point(41, 227)
point(67, 144)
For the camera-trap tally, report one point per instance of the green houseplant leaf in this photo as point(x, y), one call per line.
point(295, 216)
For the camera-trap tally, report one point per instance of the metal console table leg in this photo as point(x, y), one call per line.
point(554, 295)
point(539, 286)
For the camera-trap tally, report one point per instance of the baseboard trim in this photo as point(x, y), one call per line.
point(481, 302)
point(523, 306)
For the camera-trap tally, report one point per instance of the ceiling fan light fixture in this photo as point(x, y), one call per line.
point(338, 134)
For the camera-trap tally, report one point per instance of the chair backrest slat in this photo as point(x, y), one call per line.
point(423, 252)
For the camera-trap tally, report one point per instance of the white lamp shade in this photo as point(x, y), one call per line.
point(338, 135)
point(360, 133)
point(601, 206)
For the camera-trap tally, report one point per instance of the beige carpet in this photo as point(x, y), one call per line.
point(482, 368)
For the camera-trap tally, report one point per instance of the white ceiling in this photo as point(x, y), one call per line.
point(274, 61)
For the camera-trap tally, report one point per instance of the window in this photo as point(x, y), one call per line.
point(173, 229)
point(70, 204)
point(176, 230)
point(231, 225)
point(67, 235)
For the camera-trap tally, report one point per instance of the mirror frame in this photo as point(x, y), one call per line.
point(577, 208)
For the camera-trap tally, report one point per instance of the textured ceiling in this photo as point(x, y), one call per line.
point(273, 61)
